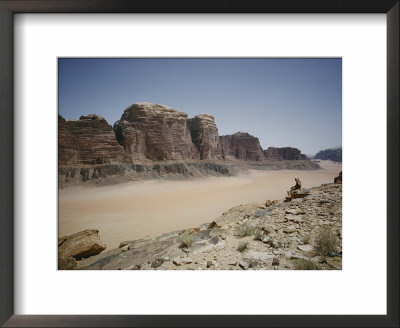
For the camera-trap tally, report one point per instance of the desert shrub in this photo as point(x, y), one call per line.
point(306, 239)
point(252, 262)
point(186, 240)
point(287, 243)
point(325, 243)
point(303, 264)
point(258, 234)
point(243, 246)
point(244, 230)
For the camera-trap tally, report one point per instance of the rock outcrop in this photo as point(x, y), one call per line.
point(89, 140)
point(338, 179)
point(302, 234)
point(283, 153)
point(241, 145)
point(333, 154)
point(204, 134)
point(79, 245)
point(67, 147)
point(155, 132)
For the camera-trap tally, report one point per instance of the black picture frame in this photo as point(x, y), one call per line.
point(10, 7)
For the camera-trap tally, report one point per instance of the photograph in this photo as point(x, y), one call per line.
point(199, 163)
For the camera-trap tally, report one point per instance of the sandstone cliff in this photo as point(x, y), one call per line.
point(333, 154)
point(204, 134)
point(89, 140)
point(241, 145)
point(283, 153)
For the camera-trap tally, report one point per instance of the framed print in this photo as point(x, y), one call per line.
point(182, 164)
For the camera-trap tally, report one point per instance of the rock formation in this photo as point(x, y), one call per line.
point(241, 145)
point(80, 245)
point(205, 136)
point(155, 132)
point(89, 140)
point(338, 179)
point(283, 153)
point(283, 236)
point(67, 147)
point(333, 154)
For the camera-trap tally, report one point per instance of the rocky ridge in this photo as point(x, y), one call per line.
point(241, 145)
point(333, 154)
point(284, 153)
point(301, 232)
point(88, 141)
point(90, 149)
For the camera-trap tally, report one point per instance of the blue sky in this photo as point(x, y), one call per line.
point(283, 102)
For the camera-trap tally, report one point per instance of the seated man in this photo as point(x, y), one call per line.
point(297, 186)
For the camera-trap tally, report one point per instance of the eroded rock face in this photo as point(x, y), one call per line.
point(155, 132)
point(333, 154)
point(204, 134)
point(80, 245)
point(67, 147)
point(241, 145)
point(89, 140)
point(283, 153)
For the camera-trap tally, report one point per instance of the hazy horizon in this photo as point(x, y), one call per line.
point(284, 102)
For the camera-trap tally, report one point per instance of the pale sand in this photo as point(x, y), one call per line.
point(135, 210)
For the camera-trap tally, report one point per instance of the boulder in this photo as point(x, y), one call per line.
point(80, 245)
point(338, 179)
point(66, 263)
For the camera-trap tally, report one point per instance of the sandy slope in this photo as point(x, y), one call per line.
point(138, 209)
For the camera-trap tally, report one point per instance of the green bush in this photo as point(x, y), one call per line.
point(325, 243)
point(302, 264)
point(243, 246)
point(186, 240)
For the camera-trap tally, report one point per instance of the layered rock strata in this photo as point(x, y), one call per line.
point(204, 134)
point(283, 153)
point(241, 145)
point(89, 140)
point(155, 132)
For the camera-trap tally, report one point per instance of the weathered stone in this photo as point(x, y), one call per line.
point(333, 154)
point(241, 145)
point(244, 265)
point(275, 261)
point(155, 132)
point(89, 140)
point(283, 153)
point(66, 263)
point(289, 229)
point(204, 134)
point(338, 179)
point(81, 245)
point(124, 248)
point(209, 263)
point(156, 263)
point(305, 248)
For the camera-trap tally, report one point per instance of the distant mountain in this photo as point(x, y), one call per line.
point(333, 154)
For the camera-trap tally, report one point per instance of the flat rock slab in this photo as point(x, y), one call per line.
point(305, 248)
